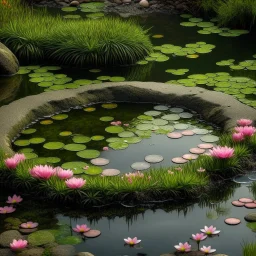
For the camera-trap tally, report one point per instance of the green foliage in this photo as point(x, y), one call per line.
point(75, 42)
point(47, 252)
point(249, 249)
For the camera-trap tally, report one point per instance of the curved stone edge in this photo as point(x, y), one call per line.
point(215, 107)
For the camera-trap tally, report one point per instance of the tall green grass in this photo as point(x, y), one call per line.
point(236, 13)
point(249, 249)
point(108, 41)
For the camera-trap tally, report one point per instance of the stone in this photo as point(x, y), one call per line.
point(63, 250)
point(32, 252)
point(85, 254)
point(6, 252)
point(117, 1)
point(126, 1)
point(193, 253)
point(144, 3)
point(7, 237)
point(250, 217)
point(9, 65)
point(27, 230)
point(74, 3)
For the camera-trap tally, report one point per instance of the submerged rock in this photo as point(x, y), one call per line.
point(144, 3)
point(41, 237)
point(85, 254)
point(32, 252)
point(250, 217)
point(7, 237)
point(6, 252)
point(63, 250)
point(9, 65)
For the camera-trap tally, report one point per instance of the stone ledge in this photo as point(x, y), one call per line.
point(216, 107)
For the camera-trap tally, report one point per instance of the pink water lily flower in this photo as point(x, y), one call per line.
point(14, 199)
point(81, 228)
point(246, 130)
point(237, 137)
point(7, 209)
point(222, 152)
point(210, 230)
point(75, 183)
point(44, 172)
point(186, 247)
point(19, 157)
point(132, 241)
point(199, 237)
point(63, 174)
point(126, 125)
point(105, 148)
point(244, 122)
point(12, 162)
point(207, 250)
point(18, 244)
point(29, 224)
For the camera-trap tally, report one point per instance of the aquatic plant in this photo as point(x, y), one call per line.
point(209, 231)
point(132, 241)
point(63, 174)
point(81, 228)
point(244, 122)
point(12, 162)
point(7, 209)
point(207, 250)
point(237, 137)
point(42, 172)
point(75, 183)
point(247, 131)
point(29, 224)
point(186, 247)
point(14, 199)
point(222, 152)
point(18, 244)
point(249, 249)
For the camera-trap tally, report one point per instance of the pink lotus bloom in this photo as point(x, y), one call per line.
point(64, 174)
point(105, 148)
point(29, 224)
point(210, 231)
point(199, 237)
point(207, 250)
point(201, 169)
point(18, 244)
point(44, 172)
point(238, 136)
point(81, 228)
point(11, 163)
point(246, 130)
point(14, 200)
point(7, 209)
point(118, 122)
point(132, 241)
point(222, 152)
point(114, 123)
point(75, 183)
point(244, 122)
point(19, 157)
point(186, 247)
point(126, 125)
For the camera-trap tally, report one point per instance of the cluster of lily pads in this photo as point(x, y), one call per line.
point(53, 82)
point(242, 65)
point(191, 50)
point(239, 87)
point(93, 10)
point(208, 27)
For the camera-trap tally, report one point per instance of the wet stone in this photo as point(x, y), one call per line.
point(7, 237)
point(32, 252)
point(250, 217)
point(6, 252)
point(85, 254)
point(27, 230)
point(63, 250)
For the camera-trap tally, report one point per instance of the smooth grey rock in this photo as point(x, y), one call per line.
point(74, 3)
point(250, 217)
point(63, 250)
point(6, 252)
point(7, 237)
point(85, 254)
point(9, 65)
point(144, 3)
point(32, 252)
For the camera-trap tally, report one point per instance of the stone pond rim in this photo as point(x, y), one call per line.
point(215, 107)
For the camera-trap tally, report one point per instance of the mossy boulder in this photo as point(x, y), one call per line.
point(9, 65)
point(63, 250)
point(41, 237)
point(7, 237)
point(32, 252)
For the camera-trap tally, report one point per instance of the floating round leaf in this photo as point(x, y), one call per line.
point(93, 170)
point(250, 205)
point(97, 137)
point(117, 79)
point(145, 117)
point(60, 117)
point(21, 143)
point(179, 160)
point(65, 133)
point(160, 122)
point(37, 140)
point(74, 166)
point(205, 24)
point(161, 108)
point(83, 82)
point(53, 160)
point(106, 118)
point(195, 20)
point(154, 158)
point(29, 131)
point(187, 133)
point(188, 24)
point(90, 109)
point(140, 166)
point(206, 146)
point(200, 131)
point(109, 105)
point(114, 129)
point(103, 78)
point(81, 139)
point(158, 36)
point(190, 156)
point(209, 138)
point(69, 9)
point(132, 140)
point(171, 117)
point(46, 122)
point(26, 150)
point(185, 115)
point(146, 127)
point(30, 155)
point(88, 154)
point(74, 147)
point(242, 179)
point(181, 126)
point(118, 145)
point(238, 203)
point(53, 145)
point(197, 150)
point(126, 134)
point(152, 113)
point(110, 172)
point(168, 128)
point(232, 221)
point(245, 200)
point(100, 161)
point(174, 135)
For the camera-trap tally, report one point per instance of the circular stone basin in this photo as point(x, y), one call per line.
point(252, 176)
point(100, 161)
point(238, 203)
point(245, 200)
point(154, 158)
point(242, 179)
point(92, 233)
point(110, 172)
point(140, 166)
point(232, 221)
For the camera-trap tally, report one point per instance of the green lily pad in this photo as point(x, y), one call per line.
point(146, 127)
point(21, 143)
point(106, 118)
point(36, 79)
point(45, 84)
point(60, 117)
point(37, 140)
point(181, 126)
point(171, 117)
point(40, 237)
point(30, 155)
point(132, 140)
point(83, 82)
point(26, 150)
point(97, 137)
point(75, 147)
point(185, 115)
point(145, 134)
point(160, 122)
point(114, 129)
point(109, 105)
point(152, 113)
point(93, 170)
point(145, 117)
point(65, 133)
point(188, 24)
point(53, 145)
point(62, 81)
point(199, 131)
point(23, 71)
point(72, 240)
point(205, 24)
point(117, 79)
point(69, 9)
point(53, 160)
point(118, 145)
point(209, 138)
point(88, 154)
point(74, 166)
point(103, 78)
point(81, 139)
point(29, 131)
point(142, 62)
point(126, 134)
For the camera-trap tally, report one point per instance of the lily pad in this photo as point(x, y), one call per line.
point(53, 145)
point(179, 160)
point(209, 138)
point(30, 155)
point(46, 122)
point(171, 117)
point(114, 129)
point(146, 127)
point(81, 139)
point(40, 237)
point(21, 143)
point(174, 135)
point(65, 133)
point(97, 137)
point(88, 154)
point(109, 105)
point(126, 134)
point(37, 140)
point(53, 160)
point(200, 131)
point(93, 170)
point(161, 108)
point(89, 109)
point(154, 158)
point(180, 126)
point(145, 117)
point(140, 166)
point(110, 172)
point(176, 110)
point(118, 145)
point(74, 147)
point(29, 131)
point(74, 166)
point(117, 79)
point(185, 115)
point(152, 113)
point(160, 122)
point(100, 161)
point(106, 118)
point(69, 9)
point(60, 117)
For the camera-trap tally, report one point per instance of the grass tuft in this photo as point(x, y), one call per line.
point(249, 249)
